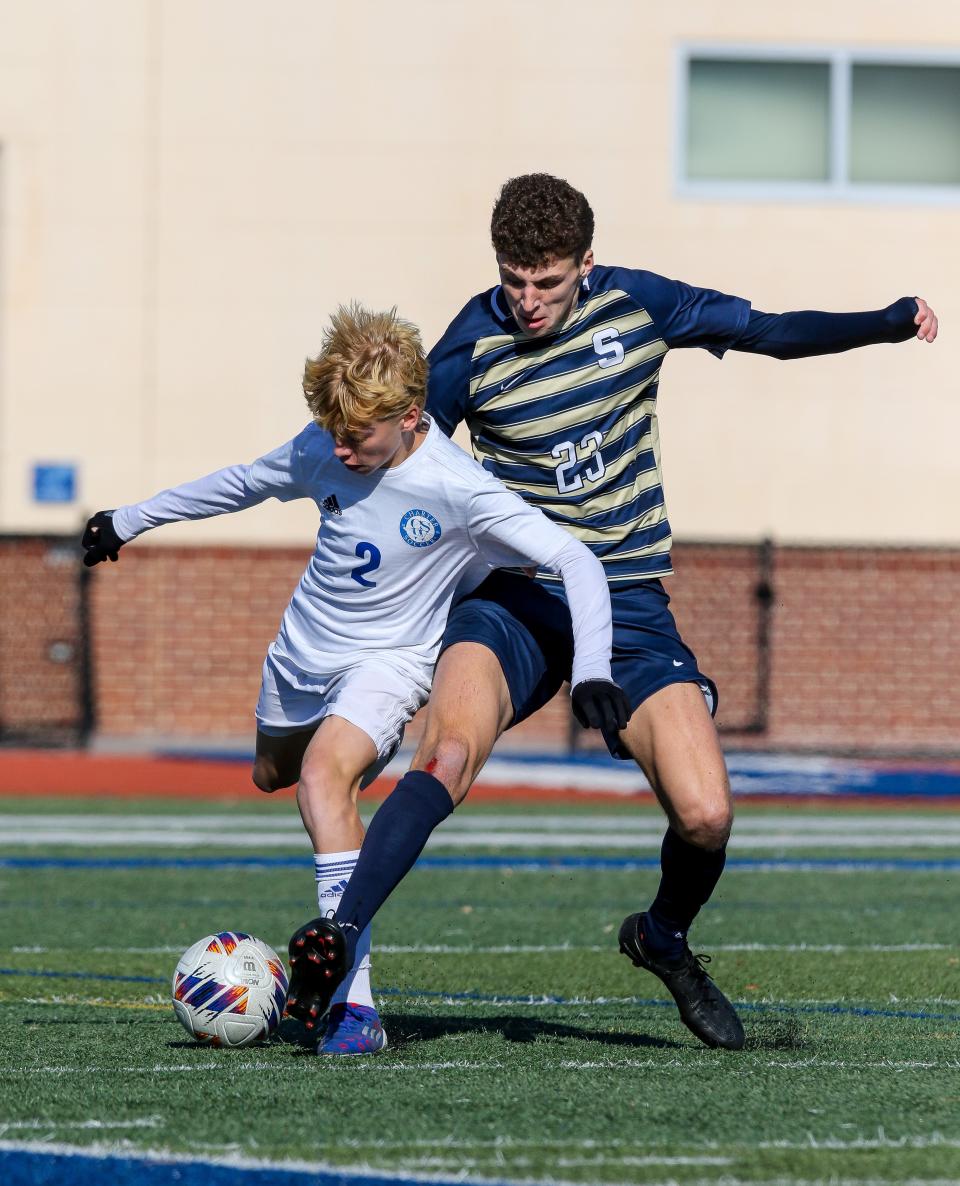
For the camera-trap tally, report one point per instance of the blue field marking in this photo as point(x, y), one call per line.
point(748, 1006)
point(532, 864)
point(751, 772)
point(544, 999)
point(33, 1168)
point(789, 775)
point(84, 976)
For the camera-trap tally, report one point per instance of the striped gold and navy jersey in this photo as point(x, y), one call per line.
point(570, 421)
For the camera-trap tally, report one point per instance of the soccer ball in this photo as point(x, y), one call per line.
point(229, 989)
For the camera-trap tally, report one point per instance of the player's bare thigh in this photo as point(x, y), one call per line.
point(674, 740)
point(469, 708)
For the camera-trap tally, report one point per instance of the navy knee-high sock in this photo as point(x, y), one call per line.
point(394, 840)
point(688, 877)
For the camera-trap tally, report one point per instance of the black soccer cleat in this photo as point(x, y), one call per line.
point(704, 1010)
point(318, 964)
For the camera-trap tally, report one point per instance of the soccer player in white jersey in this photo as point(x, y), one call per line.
point(409, 522)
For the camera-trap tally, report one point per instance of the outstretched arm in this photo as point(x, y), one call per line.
point(227, 490)
point(219, 493)
point(808, 333)
point(686, 316)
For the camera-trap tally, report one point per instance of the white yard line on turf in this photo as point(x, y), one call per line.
point(56, 1125)
point(537, 948)
point(379, 1066)
point(933, 1140)
point(648, 841)
point(633, 832)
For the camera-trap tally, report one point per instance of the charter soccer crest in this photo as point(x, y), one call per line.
point(419, 529)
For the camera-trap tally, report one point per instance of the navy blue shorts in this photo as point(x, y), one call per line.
point(527, 626)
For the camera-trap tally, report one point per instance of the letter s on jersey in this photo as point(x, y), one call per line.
point(608, 348)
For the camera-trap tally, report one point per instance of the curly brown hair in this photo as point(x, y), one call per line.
point(371, 366)
point(537, 218)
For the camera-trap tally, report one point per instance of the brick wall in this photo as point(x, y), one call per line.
point(40, 675)
point(864, 643)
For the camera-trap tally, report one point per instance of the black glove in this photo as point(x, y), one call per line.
point(100, 541)
point(600, 704)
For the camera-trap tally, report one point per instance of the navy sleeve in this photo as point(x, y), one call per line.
point(684, 315)
point(448, 381)
point(808, 333)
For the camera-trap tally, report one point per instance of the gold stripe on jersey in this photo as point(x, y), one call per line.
point(613, 500)
point(599, 497)
point(581, 378)
point(662, 545)
point(649, 518)
point(623, 578)
point(588, 308)
point(517, 365)
point(632, 409)
point(589, 534)
point(632, 415)
point(578, 416)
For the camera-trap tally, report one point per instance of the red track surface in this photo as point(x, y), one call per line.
point(76, 774)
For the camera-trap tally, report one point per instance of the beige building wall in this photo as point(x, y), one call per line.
point(188, 188)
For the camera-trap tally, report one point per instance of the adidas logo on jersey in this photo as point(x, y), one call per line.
point(331, 505)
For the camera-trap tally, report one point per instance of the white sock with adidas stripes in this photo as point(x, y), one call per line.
point(332, 871)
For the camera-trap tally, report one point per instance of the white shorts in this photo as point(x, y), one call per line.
point(378, 695)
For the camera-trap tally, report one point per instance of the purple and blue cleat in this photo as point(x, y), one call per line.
point(353, 1029)
point(318, 965)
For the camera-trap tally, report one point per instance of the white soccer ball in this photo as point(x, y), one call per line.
point(229, 989)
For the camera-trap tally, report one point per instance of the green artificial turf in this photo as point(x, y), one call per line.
point(522, 1045)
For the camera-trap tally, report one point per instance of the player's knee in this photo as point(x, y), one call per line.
point(706, 826)
point(451, 759)
point(322, 788)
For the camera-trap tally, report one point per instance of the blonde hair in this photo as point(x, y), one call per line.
point(371, 366)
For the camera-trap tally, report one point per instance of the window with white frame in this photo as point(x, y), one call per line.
point(818, 121)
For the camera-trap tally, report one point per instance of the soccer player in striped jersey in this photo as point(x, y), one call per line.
point(408, 522)
point(556, 373)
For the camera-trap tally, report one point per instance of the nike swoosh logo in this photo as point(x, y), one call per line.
point(510, 382)
point(677, 663)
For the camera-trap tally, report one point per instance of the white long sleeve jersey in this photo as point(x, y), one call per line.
point(394, 549)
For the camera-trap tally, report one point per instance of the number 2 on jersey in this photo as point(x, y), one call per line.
point(370, 553)
point(568, 451)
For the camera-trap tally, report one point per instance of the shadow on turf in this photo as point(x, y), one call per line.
point(406, 1029)
point(774, 1033)
point(763, 1033)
